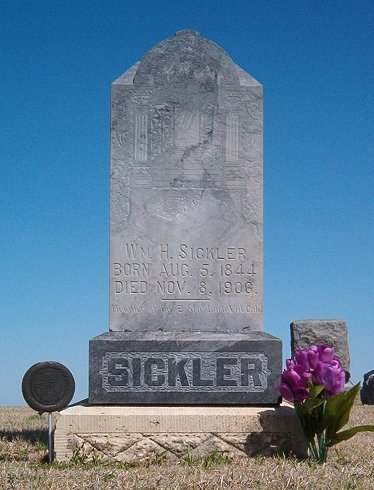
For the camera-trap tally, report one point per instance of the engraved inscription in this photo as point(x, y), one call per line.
point(173, 272)
point(185, 371)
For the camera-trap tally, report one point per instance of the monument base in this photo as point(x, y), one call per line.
point(137, 433)
point(185, 368)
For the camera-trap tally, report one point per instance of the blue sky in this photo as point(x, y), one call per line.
point(58, 59)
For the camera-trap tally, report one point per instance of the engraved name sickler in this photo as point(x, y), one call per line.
point(184, 371)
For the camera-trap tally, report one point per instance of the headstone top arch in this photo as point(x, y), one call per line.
point(186, 61)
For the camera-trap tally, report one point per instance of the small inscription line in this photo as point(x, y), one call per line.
point(184, 299)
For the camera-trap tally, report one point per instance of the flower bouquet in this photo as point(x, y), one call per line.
point(314, 381)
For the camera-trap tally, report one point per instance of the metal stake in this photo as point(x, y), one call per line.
point(50, 438)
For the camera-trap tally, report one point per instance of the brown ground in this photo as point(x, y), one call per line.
point(23, 449)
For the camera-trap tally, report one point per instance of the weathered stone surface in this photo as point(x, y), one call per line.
point(367, 390)
point(186, 192)
point(139, 433)
point(334, 333)
point(186, 235)
point(175, 367)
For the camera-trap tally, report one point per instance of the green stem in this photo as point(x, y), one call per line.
point(316, 441)
point(321, 438)
point(313, 450)
point(322, 449)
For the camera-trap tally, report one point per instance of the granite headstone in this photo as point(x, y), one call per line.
point(186, 254)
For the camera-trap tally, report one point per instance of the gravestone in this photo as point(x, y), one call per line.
point(367, 390)
point(305, 333)
point(186, 310)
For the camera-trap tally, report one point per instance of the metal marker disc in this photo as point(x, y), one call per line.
point(48, 386)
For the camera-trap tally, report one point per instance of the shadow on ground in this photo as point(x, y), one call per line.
point(31, 436)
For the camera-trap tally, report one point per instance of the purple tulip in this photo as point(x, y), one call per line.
point(307, 358)
point(325, 353)
point(331, 376)
point(292, 394)
point(286, 391)
point(290, 363)
point(294, 384)
point(339, 385)
point(316, 365)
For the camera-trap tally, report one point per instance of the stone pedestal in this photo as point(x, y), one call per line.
point(185, 368)
point(138, 433)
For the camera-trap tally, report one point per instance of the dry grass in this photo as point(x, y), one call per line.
point(23, 448)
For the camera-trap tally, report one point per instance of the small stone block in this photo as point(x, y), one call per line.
point(305, 333)
point(185, 368)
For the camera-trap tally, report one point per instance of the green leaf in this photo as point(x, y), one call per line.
point(347, 434)
point(309, 413)
point(315, 390)
point(309, 405)
point(313, 404)
point(305, 421)
point(337, 411)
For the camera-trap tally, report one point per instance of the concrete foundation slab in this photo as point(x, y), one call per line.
point(134, 434)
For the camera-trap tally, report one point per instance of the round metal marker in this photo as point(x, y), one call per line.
point(48, 387)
